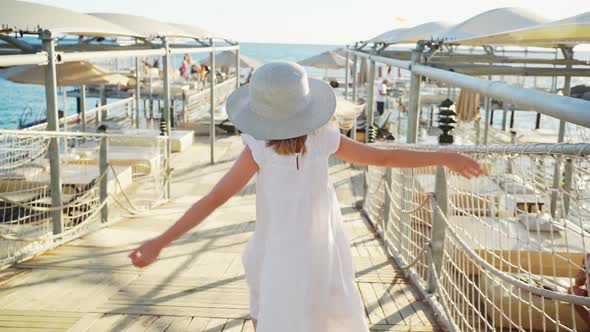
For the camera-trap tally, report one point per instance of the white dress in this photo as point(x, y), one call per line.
point(298, 262)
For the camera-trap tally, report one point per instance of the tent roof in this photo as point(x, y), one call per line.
point(491, 22)
point(33, 18)
point(196, 32)
point(391, 34)
point(148, 27)
point(570, 31)
point(412, 35)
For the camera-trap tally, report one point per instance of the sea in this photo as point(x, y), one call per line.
point(17, 99)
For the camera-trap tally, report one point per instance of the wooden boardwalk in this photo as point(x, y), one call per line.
point(198, 283)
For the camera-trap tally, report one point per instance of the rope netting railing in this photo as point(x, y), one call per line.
point(133, 177)
point(509, 249)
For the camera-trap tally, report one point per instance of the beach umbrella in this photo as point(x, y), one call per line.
point(326, 60)
point(228, 58)
point(75, 73)
point(467, 106)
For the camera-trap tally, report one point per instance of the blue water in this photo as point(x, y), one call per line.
point(15, 98)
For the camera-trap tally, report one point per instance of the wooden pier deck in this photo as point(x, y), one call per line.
point(198, 283)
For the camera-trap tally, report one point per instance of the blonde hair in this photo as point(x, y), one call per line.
point(290, 146)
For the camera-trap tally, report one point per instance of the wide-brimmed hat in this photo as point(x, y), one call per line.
point(281, 102)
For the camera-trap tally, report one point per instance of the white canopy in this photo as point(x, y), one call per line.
point(146, 26)
point(420, 32)
point(570, 31)
point(388, 35)
point(196, 32)
point(326, 60)
point(491, 22)
point(32, 18)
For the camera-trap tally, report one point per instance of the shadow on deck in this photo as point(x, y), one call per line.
point(198, 283)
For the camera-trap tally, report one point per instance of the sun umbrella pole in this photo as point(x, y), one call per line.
point(137, 90)
point(53, 125)
point(346, 78)
point(167, 116)
point(212, 102)
point(414, 98)
point(83, 106)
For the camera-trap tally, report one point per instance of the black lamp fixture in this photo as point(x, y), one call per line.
point(446, 121)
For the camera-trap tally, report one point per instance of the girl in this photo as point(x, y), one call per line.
point(298, 263)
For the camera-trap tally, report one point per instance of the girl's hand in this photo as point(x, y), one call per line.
point(463, 165)
point(146, 254)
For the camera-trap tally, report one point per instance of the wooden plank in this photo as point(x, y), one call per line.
point(141, 323)
point(162, 323)
point(84, 323)
point(374, 310)
point(390, 309)
point(234, 325)
point(198, 324)
point(179, 324)
point(106, 322)
point(215, 325)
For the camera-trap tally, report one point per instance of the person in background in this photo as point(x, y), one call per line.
point(195, 72)
point(381, 92)
point(186, 64)
point(249, 77)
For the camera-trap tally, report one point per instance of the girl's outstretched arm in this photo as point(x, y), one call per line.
point(231, 183)
point(358, 153)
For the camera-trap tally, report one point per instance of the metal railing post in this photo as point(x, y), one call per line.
point(346, 74)
point(104, 180)
point(53, 125)
point(560, 138)
point(386, 202)
point(83, 106)
point(168, 118)
point(567, 184)
point(212, 109)
point(137, 90)
point(488, 109)
point(438, 224)
point(354, 92)
point(370, 106)
point(414, 110)
point(237, 68)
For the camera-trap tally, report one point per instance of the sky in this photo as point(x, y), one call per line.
point(335, 22)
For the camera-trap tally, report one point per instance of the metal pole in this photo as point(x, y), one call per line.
point(212, 110)
point(237, 68)
point(370, 107)
point(415, 82)
point(346, 78)
point(567, 185)
point(103, 102)
point(538, 121)
point(438, 224)
point(103, 169)
point(53, 125)
point(488, 109)
point(387, 203)
point(167, 117)
point(354, 92)
point(83, 106)
point(560, 139)
point(137, 90)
